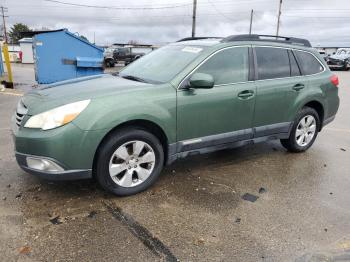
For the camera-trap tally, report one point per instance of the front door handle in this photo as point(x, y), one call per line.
point(246, 94)
point(298, 87)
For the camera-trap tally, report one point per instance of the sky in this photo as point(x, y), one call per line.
point(323, 22)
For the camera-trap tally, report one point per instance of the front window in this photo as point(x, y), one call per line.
point(162, 65)
point(227, 66)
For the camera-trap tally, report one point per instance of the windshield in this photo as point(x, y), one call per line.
point(162, 65)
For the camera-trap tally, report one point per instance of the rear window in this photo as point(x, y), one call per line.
point(272, 62)
point(309, 64)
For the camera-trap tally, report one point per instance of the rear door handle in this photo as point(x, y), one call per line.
point(246, 94)
point(298, 87)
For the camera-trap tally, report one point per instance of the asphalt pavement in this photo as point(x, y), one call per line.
point(255, 203)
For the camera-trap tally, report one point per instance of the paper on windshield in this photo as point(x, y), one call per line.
point(191, 49)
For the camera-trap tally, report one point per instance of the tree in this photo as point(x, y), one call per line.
point(15, 32)
point(84, 37)
point(133, 42)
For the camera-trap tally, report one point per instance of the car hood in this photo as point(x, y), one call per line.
point(92, 87)
point(339, 57)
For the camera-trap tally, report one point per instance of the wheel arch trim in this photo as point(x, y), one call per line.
point(145, 124)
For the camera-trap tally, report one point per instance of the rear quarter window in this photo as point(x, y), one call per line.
point(308, 63)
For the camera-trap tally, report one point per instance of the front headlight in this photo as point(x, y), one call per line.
point(58, 116)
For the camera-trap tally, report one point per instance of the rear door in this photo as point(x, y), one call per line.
point(279, 82)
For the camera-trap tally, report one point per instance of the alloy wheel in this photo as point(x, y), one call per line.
point(132, 163)
point(306, 130)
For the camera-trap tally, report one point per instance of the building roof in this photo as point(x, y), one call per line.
point(26, 40)
point(33, 33)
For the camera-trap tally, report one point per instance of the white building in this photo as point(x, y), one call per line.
point(26, 45)
point(14, 51)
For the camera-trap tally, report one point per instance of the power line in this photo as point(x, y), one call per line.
point(188, 16)
point(319, 17)
point(115, 7)
point(218, 11)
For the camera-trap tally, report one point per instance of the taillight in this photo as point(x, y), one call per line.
point(335, 80)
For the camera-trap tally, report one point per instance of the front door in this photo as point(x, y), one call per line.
point(223, 114)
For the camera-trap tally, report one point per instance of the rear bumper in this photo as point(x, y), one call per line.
point(65, 174)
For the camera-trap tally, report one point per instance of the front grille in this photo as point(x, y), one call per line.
point(332, 61)
point(21, 111)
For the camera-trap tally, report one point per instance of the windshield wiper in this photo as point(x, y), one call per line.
point(134, 78)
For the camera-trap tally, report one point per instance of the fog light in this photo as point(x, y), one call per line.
point(43, 164)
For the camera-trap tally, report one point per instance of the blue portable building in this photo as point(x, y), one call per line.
point(61, 55)
point(1, 64)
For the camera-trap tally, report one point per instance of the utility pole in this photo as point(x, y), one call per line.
point(279, 17)
point(251, 21)
point(9, 83)
point(3, 10)
point(194, 18)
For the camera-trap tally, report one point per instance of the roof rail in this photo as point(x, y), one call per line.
point(268, 38)
point(197, 38)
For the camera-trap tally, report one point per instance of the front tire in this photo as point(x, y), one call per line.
point(129, 161)
point(304, 131)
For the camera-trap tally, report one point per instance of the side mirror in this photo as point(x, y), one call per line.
point(200, 80)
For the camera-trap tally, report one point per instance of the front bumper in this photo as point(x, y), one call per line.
point(337, 65)
point(65, 174)
point(68, 146)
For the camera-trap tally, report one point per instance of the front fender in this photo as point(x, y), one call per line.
point(106, 113)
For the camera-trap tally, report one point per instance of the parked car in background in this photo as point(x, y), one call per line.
point(323, 54)
point(340, 60)
point(121, 53)
point(108, 57)
point(126, 54)
point(193, 96)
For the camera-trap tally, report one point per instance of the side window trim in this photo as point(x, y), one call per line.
point(256, 77)
point(185, 79)
point(299, 62)
point(291, 54)
point(252, 62)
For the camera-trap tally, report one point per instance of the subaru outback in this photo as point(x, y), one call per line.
point(196, 95)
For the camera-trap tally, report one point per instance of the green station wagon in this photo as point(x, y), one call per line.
point(197, 95)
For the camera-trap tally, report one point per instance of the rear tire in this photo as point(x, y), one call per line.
point(304, 131)
point(129, 161)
